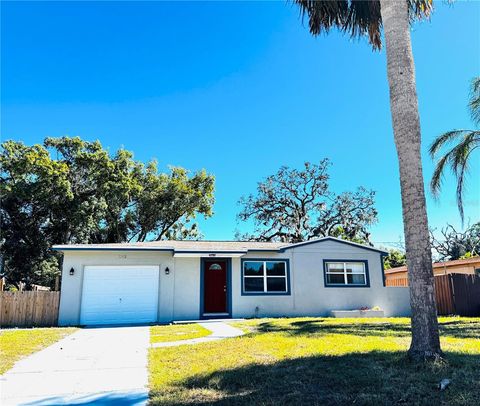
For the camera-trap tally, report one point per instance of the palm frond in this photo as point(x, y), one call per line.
point(364, 18)
point(357, 18)
point(461, 152)
point(443, 139)
point(461, 166)
point(474, 103)
point(420, 9)
point(458, 160)
point(437, 177)
point(323, 15)
point(460, 183)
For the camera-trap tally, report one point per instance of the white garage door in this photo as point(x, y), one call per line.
point(119, 295)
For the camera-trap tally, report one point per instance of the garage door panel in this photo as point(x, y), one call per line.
point(119, 295)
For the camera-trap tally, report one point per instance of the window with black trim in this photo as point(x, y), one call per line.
point(265, 277)
point(345, 274)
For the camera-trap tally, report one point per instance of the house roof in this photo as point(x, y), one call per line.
point(188, 246)
point(182, 246)
point(437, 265)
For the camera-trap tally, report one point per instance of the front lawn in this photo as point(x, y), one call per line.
point(319, 361)
point(16, 344)
point(176, 332)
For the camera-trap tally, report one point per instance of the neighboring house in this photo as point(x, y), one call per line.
point(181, 280)
point(467, 266)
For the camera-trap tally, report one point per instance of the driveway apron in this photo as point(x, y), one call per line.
point(95, 366)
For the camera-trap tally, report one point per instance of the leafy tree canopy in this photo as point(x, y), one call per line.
point(454, 244)
point(297, 205)
point(73, 191)
point(394, 259)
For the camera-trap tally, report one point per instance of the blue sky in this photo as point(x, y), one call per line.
point(237, 88)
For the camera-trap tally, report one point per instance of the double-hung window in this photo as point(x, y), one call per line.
point(346, 273)
point(265, 277)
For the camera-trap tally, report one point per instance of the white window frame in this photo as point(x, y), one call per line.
point(345, 273)
point(265, 276)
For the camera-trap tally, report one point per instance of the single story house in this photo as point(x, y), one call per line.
point(164, 281)
point(470, 266)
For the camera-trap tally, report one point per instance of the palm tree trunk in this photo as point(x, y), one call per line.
point(406, 128)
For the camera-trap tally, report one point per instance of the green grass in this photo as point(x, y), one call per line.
point(16, 344)
point(176, 332)
point(319, 361)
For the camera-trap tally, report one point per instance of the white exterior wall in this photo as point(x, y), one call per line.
point(186, 304)
point(179, 292)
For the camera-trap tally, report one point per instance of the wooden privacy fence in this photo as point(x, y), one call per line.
point(397, 282)
point(466, 294)
point(29, 309)
point(455, 293)
point(444, 295)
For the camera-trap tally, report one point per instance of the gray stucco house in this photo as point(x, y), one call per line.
point(183, 280)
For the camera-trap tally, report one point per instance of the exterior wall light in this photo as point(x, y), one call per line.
point(72, 271)
point(167, 270)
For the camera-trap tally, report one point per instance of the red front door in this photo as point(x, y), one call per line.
point(215, 286)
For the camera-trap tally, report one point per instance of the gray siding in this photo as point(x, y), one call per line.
point(310, 297)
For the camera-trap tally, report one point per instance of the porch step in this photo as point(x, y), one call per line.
point(206, 321)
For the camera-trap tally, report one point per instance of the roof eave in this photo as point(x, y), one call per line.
point(319, 240)
point(72, 248)
point(163, 249)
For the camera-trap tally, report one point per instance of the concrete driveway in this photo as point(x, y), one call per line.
point(101, 366)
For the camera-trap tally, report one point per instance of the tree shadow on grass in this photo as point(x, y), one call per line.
point(320, 327)
point(458, 329)
point(375, 378)
point(461, 328)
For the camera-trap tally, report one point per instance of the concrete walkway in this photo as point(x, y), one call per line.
point(219, 331)
point(98, 366)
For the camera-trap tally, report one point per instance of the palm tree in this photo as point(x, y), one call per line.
point(360, 18)
point(457, 157)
